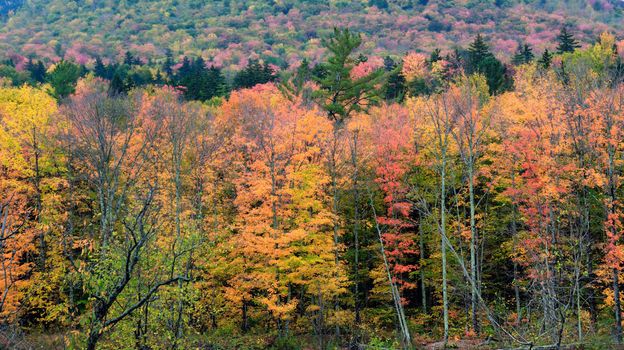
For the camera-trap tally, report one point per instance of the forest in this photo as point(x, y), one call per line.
point(228, 33)
point(455, 199)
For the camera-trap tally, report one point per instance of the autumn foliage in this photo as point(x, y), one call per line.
point(313, 213)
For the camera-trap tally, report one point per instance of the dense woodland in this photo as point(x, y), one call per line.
point(228, 33)
point(454, 198)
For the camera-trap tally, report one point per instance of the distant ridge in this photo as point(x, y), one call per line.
point(229, 32)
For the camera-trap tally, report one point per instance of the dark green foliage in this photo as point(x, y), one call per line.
point(255, 73)
point(294, 84)
point(524, 54)
point(37, 71)
point(394, 88)
point(340, 94)
point(130, 60)
point(63, 78)
point(546, 59)
point(118, 84)
point(478, 50)
point(9, 74)
point(302, 75)
point(139, 76)
point(199, 82)
point(319, 71)
point(380, 4)
point(437, 26)
point(158, 78)
point(496, 75)
point(419, 87)
point(481, 60)
point(435, 55)
point(168, 65)
point(567, 42)
point(100, 70)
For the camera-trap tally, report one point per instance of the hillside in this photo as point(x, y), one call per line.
point(311, 175)
point(228, 32)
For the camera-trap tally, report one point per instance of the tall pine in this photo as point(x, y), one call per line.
point(545, 60)
point(481, 60)
point(524, 54)
point(567, 42)
point(340, 94)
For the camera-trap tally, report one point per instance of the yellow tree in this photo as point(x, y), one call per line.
point(30, 185)
point(538, 148)
point(264, 147)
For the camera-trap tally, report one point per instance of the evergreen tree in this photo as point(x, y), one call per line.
point(518, 57)
point(523, 55)
point(545, 60)
point(339, 94)
point(129, 58)
point(302, 75)
point(118, 84)
point(389, 64)
point(199, 82)
point(394, 89)
point(217, 85)
point(37, 71)
point(435, 56)
point(528, 53)
point(481, 60)
point(478, 51)
point(63, 78)
point(380, 4)
point(253, 74)
point(139, 76)
point(168, 65)
point(567, 42)
point(185, 69)
point(100, 69)
point(158, 78)
point(319, 71)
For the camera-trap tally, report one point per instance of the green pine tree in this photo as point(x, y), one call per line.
point(118, 84)
point(482, 60)
point(100, 69)
point(527, 52)
point(518, 57)
point(567, 42)
point(63, 79)
point(545, 60)
point(435, 56)
point(478, 50)
point(339, 94)
point(524, 54)
point(37, 70)
point(394, 88)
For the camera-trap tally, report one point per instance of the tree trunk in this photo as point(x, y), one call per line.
point(94, 336)
point(421, 246)
point(245, 325)
point(334, 190)
point(514, 234)
point(356, 238)
point(443, 248)
point(473, 253)
point(617, 307)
